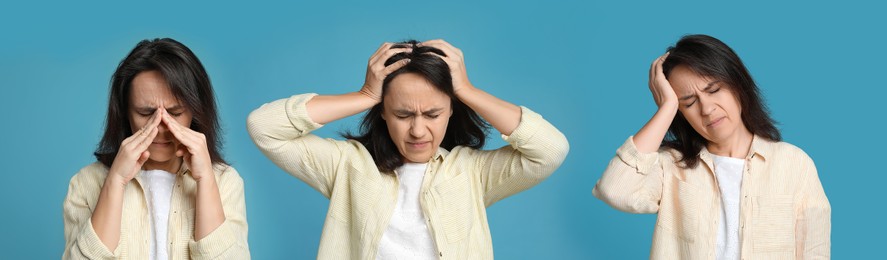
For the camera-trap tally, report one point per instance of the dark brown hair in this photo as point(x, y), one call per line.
point(709, 57)
point(465, 128)
point(188, 82)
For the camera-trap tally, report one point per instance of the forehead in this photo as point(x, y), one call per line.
point(412, 90)
point(685, 80)
point(149, 88)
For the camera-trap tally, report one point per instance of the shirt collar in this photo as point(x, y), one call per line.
point(183, 169)
point(440, 154)
point(760, 148)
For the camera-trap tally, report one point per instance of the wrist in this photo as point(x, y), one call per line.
point(204, 178)
point(465, 89)
point(365, 91)
point(115, 181)
point(668, 107)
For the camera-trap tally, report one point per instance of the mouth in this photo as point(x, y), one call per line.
point(161, 143)
point(716, 122)
point(418, 145)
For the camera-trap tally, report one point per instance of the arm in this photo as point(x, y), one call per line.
point(633, 180)
point(81, 240)
point(537, 148)
point(85, 227)
point(229, 239)
point(325, 109)
point(502, 115)
point(209, 214)
point(281, 128)
point(813, 225)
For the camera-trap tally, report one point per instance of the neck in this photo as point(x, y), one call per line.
point(171, 166)
point(736, 146)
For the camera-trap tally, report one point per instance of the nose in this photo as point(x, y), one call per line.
point(162, 131)
point(707, 105)
point(417, 128)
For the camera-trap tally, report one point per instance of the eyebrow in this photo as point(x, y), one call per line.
point(147, 109)
point(707, 87)
point(410, 112)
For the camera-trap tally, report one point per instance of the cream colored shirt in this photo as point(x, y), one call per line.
point(228, 241)
point(455, 192)
point(784, 213)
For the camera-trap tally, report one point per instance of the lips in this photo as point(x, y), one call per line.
point(161, 143)
point(418, 145)
point(716, 122)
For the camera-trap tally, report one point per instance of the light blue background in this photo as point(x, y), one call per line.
point(581, 65)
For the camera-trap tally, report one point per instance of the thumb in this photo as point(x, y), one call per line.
point(143, 158)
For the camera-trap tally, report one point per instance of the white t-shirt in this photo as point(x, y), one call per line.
point(407, 235)
point(158, 186)
point(729, 170)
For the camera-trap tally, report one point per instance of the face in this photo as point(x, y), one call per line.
point(149, 92)
point(417, 115)
point(709, 105)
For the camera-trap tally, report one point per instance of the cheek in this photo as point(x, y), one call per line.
point(692, 116)
point(396, 129)
point(184, 121)
point(136, 122)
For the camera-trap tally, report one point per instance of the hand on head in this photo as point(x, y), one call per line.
point(377, 71)
point(663, 93)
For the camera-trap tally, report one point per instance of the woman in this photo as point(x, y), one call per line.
point(412, 184)
point(160, 188)
point(711, 165)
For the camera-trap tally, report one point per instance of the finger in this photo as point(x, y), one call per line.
point(375, 57)
point(383, 47)
point(444, 46)
point(450, 62)
point(143, 157)
point(178, 131)
point(395, 66)
point(379, 64)
point(659, 72)
point(142, 133)
point(146, 142)
point(431, 42)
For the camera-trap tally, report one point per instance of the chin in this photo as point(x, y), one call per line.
point(160, 158)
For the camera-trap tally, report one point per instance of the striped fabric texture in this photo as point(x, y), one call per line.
point(784, 213)
point(228, 241)
point(457, 188)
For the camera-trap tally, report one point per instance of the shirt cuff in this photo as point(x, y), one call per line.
point(215, 244)
point(643, 162)
point(91, 245)
point(297, 112)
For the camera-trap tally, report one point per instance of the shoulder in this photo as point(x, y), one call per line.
point(88, 179)
point(788, 153)
point(95, 171)
point(223, 170)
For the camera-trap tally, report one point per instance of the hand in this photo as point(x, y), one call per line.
point(192, 146)
point(377, 71)
point(663, 94)
point(133, 152)
point(455, 60)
